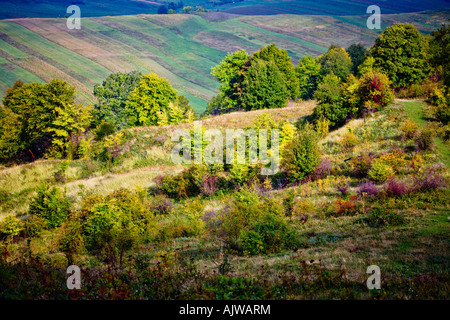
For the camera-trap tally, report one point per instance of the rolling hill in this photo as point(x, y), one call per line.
point(11, 9)
point(180, 47)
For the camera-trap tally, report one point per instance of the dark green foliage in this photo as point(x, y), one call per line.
point(103, 130)
point(11, 142)
point(424, 139)
point(329, 90)
point(263, 87)
point(266, 80)
point(220, 104)
point(186, 184)
point(163, 9)
point(401, 53)
point(50, 204)
point(301, 156)
point(380, 216)
point(357, 54)
point(112, 96)
point(329, 98)
point(309, 73)
point(336, 61)
point(227, 288)
point(439, 52)
point(284, 65)
point(227, 72)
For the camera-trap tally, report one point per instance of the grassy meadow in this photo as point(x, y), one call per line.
point(339, 233)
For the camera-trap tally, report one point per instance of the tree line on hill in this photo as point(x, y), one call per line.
point(43, 120)
point(38, 120)
point(401, 57)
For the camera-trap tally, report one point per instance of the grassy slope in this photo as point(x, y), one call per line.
point(412, 253)
point(146, 160)
point(182, 48)
point(415, 111)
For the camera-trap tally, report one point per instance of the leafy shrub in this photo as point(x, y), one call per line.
point(417, 90)
point(186, 184)
point(301, 156)
point(227, 288)
point(380, 172)
point(10, 227)
point(368, 189)
point(380, 216)
point(34, 226)
point(430, 180)
point(115, 223)
point(50, 204)
point(424, 139)
point(288, 203)
point(252, 242)
point(240, 173)
point(103, 130)
point(302, 208)
point(348, 141)
point(437, 97)
point(322, 170)
point(85, 147)
point(322, 127)
point(71, 240)
point(375, 89)
point(345, 207)
point(442, 113)
point(343, 187)
point(409, 129)
point(241, 215)
point(395, 159)
point(161, 205)
point(361, 164)
point(186, 223)
point(396, 188)
point(269, 234)
point(193, 211)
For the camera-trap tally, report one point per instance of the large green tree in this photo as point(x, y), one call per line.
point(112, 96)
point(309, 73)
point(226, 72)
point(263, 87)
point(154, 102)
point(337, 61)
point(149, 100)
point(284, 64)
point(42, 112)
point(401, 53)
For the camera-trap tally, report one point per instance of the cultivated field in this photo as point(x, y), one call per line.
point(181, 48)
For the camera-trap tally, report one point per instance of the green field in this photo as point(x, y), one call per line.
point(182, 48)
point(11, 9)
